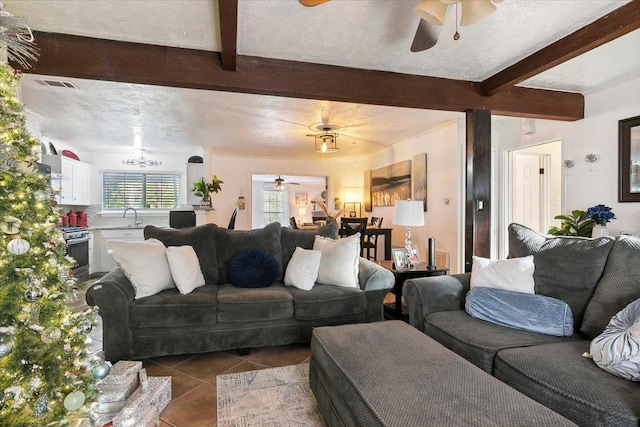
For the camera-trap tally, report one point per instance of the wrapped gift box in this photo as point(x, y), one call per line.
point(145, 405)
point(116, 393)
point(122, 372)
point(107, 407)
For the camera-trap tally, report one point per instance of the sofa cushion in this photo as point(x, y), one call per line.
point(185, 268)
point(559, 377)
point(254, 304)
point(170, 309)
point(327, 301)
point(527, 312)
point(252, 268)
point(567, 268)
point(617, 349)
point(476, 340)
point(619, 286)
point(144, 263)
point(515, 274)
point(201, 238)
point(297, 238)
point(230, 242)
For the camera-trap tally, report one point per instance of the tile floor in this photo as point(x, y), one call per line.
point(193, 376)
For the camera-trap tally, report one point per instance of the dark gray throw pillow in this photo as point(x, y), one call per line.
point(619, 286)
point(518, 310)
point(202, 240)
point(567, 268)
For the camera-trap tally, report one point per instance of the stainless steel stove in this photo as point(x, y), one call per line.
point(77, 240)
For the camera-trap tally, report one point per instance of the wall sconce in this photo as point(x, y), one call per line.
point(568, 164)
point(592, 159)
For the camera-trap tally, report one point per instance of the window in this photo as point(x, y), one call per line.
point(273, 209)
point(121, 190)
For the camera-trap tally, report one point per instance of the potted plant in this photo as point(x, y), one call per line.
point(601, 215)
point(204, 189)
point(579, 223)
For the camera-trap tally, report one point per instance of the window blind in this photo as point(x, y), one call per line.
point(121, 190)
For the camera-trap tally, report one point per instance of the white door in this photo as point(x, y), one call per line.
point(527, 190)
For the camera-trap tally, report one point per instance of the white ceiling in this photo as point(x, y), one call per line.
point(369, 34)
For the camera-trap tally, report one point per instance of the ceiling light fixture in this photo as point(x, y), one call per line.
point(279, 184)
point(326, 142)
point(434, 11)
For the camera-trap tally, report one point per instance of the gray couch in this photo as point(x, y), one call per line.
point(220, 316)
point(595, 277)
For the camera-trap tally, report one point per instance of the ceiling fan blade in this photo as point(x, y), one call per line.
point(426, 36)
point(311, 3)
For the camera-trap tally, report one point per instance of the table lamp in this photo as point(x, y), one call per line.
point(409, 213)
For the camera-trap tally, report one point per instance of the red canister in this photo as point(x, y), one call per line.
point(65, 221)
point(73, 219)
point(82, 219)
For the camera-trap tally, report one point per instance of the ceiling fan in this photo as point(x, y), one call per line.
point(280, 183)
point(432, 14)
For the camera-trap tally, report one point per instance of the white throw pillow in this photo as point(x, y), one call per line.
point(340, 260)
point(515, 274)
point(302, 270)
point(144, 263)
point(185, 268)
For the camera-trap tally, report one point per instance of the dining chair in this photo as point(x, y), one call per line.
point(351, 226)
point(232, 221)
point(293, 223)
point(370, 242)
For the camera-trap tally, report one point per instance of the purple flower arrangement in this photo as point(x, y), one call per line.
point(600, 214)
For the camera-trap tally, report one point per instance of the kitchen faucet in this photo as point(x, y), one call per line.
point(135, 219)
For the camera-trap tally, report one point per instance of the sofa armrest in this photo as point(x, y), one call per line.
point(113, 294)
point(432, 294)
point(376, 281)
point(373, 277)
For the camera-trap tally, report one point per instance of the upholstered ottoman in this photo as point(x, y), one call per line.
point(390, 374)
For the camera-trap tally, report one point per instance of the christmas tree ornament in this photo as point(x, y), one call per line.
point(101, 370)
point(33, 294)
point(5, 348)
point(18, 246)
point(50, 335)
point(85, 326)
point(41, 407)
point(10, 225)
point(74, 400)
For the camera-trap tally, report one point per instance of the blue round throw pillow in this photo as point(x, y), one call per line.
point(253, 268)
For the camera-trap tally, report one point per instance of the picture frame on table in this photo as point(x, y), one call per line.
point(400, 260)
point(352, 214)
point(414, 258)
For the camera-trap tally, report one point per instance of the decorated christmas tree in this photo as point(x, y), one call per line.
point(46, 367)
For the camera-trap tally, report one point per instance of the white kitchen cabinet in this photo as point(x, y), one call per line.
point(74, 183)
point(102, 260)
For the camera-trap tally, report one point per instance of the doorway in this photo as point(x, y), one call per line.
point(534, 195)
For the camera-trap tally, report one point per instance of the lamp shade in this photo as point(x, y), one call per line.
point(432, 11)
point(409, 213)
point(474, 11)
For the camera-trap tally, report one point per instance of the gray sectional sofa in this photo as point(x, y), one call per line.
point(596, 277)
point(220, 316)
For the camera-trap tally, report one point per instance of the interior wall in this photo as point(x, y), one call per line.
point(585, 186)
point(236, 173)
point(443, 219)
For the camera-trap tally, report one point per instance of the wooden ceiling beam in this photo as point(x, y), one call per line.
point(616, 24)
point(99, 59)
point(228, 12)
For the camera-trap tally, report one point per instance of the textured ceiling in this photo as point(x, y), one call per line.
point(368, 34)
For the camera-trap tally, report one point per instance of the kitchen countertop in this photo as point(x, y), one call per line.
point(118, 227)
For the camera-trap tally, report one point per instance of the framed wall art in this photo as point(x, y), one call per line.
point(391, 183)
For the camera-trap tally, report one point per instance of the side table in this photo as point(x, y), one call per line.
point(401, 276)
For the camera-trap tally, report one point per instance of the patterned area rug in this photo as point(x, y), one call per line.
point(277, 397)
